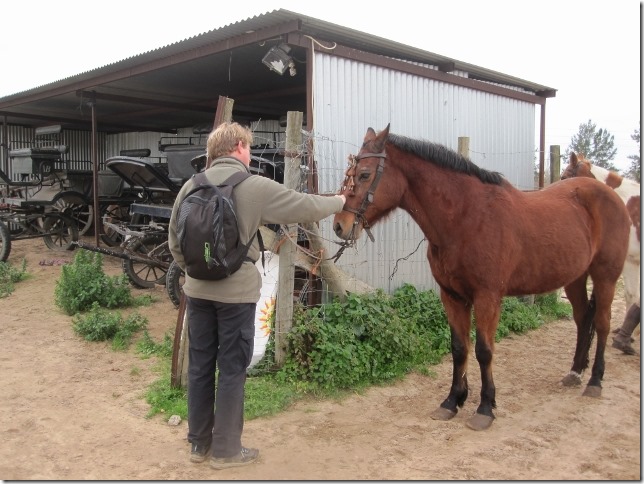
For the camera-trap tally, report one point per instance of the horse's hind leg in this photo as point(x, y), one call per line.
point(582, 314)
point(459, 314)
point(603, 294)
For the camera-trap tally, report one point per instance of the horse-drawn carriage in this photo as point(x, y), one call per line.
point(143, 233)
point(44, 198)
point(36, 192)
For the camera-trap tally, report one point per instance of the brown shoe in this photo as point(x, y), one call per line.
point(625, 347)
point(244, 457)
point(199, 453)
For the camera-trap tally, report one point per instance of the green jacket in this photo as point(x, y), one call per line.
point(258, 201)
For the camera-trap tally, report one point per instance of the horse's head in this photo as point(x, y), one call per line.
point(578, 166)
point(367, 201)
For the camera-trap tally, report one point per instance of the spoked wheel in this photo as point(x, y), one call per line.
point(153, 247)
point(60, 232)
point(5, 242)
point(174, 280)
point(114, 214)
point(77, 207)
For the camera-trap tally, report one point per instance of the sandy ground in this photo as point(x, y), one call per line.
point(73, 410)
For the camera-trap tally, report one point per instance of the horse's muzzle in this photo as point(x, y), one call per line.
point(347, 229)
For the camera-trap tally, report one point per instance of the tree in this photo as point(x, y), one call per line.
point(633, 170)
point(597, 146)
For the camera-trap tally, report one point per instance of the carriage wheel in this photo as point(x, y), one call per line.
point(174, 280)
point(5, 242)
point(179, 369)
point(115, 214)
point(77, 207)
point(142, 275)
point(60, 232)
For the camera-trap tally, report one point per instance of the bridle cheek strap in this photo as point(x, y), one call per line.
point(359, 214)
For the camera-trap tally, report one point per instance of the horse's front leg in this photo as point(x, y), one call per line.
point(459, 316)
point(487, 311)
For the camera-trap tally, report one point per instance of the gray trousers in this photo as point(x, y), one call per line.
point(221, 336)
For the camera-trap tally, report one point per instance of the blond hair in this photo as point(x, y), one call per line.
point(223, 140)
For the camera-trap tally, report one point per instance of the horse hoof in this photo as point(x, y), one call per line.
point(593, 391)
point(479, 422)
point(572, 379)
point(442, 413)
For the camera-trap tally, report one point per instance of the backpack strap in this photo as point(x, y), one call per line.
point(201, 179)
point(234, 180)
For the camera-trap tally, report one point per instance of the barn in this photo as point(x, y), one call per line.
point(343, 80)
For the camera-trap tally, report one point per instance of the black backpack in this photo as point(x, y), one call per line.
point(207, 229)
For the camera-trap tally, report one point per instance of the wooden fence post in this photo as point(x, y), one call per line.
point(555, 164)
point(464, 146)
point(286, 279)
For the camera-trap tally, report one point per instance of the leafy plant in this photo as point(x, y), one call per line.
point(83, 283)
point(9, 275)
point(101, 325)
point(363, 340)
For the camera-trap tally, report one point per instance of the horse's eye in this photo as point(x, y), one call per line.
point(364, 176)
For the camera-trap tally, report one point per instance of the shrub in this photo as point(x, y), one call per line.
point(371, 338)
point(360, 341)
point(9, 275)
point(101, 325)
point(83, 283)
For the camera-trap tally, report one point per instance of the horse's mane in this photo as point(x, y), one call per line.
point(444, 157)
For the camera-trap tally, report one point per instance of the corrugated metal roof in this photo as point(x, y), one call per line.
point(178, 84)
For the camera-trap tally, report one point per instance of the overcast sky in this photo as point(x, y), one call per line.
point(589, 50)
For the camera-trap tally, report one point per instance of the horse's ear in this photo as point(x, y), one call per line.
point(371, 134)
point(381, 139)
point(573, 158)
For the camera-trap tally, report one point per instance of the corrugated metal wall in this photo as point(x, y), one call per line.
point(263, 134)
point(79, 143)
point(350, 97)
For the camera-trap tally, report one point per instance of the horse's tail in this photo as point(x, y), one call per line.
point(586, 332)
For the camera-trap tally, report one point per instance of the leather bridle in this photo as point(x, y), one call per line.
point(349, 184)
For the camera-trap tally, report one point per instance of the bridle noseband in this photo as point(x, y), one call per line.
point(349, 184)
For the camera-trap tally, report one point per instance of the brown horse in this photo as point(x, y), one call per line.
point(488, 240)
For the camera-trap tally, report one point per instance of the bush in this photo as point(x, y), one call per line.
point(101, 325)
point(83, 283)
point(360, 341)
point(9, 275)
point(372, 338)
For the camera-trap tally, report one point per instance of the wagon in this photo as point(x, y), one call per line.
point(143, 234)
point(34, 191)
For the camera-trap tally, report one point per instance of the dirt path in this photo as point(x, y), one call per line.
point(74, 410)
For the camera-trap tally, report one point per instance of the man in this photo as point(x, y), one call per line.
point(221, 314)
